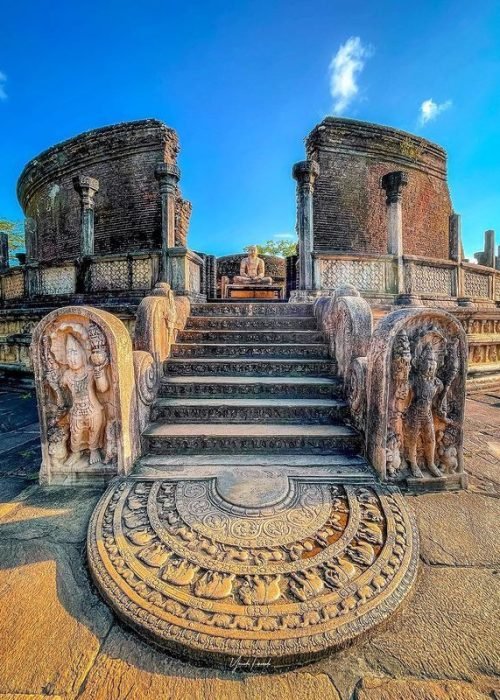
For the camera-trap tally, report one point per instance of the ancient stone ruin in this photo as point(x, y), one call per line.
point(258, 449)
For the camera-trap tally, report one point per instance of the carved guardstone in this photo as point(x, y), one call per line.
point(275, 578)
point(416, 372)
point(84, 377)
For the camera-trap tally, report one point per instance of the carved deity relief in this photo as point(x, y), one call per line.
point(80, 411)
point(421, 430)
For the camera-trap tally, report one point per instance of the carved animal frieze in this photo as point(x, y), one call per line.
point(188, 569)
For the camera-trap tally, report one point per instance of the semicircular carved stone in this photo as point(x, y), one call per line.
point(278, 583)
point(84, 376)
point(417, 368)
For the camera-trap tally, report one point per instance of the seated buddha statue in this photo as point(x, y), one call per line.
point(252, 270)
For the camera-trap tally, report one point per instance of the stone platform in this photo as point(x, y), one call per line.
point(252, 565)
point(58, 639)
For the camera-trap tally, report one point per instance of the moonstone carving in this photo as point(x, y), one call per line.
point(201, 574)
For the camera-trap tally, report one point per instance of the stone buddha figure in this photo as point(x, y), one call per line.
point(252, 270)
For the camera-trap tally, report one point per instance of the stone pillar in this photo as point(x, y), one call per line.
point(30, 237)
point(4, 251)
point(455, 237)
point(489, 248)
point(305, 172)
point(87, 187)
point(211, 276)
point(168, 176)
point(393, 184)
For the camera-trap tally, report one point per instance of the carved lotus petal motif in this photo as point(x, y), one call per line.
point(277, 583)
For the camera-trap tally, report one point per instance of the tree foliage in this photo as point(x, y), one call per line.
point(282, 247)
point(15, 233)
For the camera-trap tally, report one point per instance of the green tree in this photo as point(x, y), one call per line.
point(15, 233)
point(282, 247)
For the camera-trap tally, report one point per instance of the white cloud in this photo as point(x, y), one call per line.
point(286, 236)
point(430, 110)
point(345, 67)
point(3, 80)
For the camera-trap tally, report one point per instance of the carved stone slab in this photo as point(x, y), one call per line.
point(275, 572)
point(415, 384)
point(84, 375)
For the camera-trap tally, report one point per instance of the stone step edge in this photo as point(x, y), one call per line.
point(251, 403)
point(159, 429)
point(238, 379)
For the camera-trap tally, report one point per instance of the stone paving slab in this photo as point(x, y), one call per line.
point(52, 623)
point(407, 689)
point(59, 639)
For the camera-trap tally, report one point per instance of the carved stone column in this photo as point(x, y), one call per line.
point(87, 187)
point(168, 176)
point(455, 237)
point(30, 235)
point(489, 248)
point(4, 251)
point(393, 184)
point(305, 172)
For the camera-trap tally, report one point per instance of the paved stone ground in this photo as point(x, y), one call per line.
point(58, 640)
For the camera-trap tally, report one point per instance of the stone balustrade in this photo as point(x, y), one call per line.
point(405, 385)
point(436, 282)
point(95, 388)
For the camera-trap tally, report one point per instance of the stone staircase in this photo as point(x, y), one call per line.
point(251, 383)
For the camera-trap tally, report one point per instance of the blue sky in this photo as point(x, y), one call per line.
point(244, 82)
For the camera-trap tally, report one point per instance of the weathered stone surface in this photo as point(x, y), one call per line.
point(85, 384)
point(482, 443)
point(416, 371)
point(459, 530)
point(57, 514)
point(126, 667)
point(221, 571)
point(447, 630)
point(409, 689)
point(52, 623)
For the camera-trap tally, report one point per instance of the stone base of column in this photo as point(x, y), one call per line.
point(305, 296)
point(408, 300)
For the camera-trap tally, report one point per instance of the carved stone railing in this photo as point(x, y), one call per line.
point(405, 386)
point(376, 277)
point(89, 275)
point(94, 391)
point(159, 317)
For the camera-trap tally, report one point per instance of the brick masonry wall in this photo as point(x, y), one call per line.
point(349, 204)
point(127, 205)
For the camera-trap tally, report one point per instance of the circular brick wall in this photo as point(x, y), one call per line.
point(127, 206)
point(349, 203)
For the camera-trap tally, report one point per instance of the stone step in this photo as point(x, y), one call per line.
point(312, 351)
point(252, 387)
point(251, 309)
point(251, 323)
point(345, 467)
point(256, 337)
point(163, 438)
point(249, 367)
point(284, 411)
